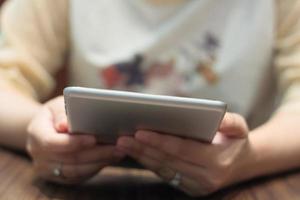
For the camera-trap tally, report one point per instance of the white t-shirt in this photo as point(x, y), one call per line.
point(198, 48)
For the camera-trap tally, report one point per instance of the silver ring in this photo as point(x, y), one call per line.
point(57, 171)
point(175, 181)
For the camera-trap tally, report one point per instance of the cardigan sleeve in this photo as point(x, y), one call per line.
point(287, 53)
point(34, 42)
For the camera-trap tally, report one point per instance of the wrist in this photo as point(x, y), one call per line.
point(256, 160)
point(16, 113)
point(33, 108)
point(272, 148)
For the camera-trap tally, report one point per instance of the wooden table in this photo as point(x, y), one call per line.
point(17, 181)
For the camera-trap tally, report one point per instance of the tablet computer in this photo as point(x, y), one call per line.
point(110, 114)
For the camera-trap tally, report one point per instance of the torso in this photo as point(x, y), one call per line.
point(198, 48)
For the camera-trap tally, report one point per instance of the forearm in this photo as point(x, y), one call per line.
point(16, 110)
point(273, 147)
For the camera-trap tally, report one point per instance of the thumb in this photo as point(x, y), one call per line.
point(59, 115)
point(234, 125)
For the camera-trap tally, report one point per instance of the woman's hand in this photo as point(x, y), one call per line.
point(62, 157)
point(204, 168)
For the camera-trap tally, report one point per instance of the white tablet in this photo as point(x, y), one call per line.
point(110, 114)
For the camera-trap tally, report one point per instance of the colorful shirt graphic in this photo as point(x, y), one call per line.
point(131, 74)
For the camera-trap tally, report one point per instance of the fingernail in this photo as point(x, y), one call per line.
point(60, 126)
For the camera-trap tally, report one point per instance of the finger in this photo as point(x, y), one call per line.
point(48, 139)
point(65, 143)
point(234, 125)
point(99, 153)
point(175, 146)
point(137, 150)
point(166, 169)
point(68, 172)
point(57, 108)
point(143, 153)
point(83, 170)
point(189, 184)
point(62, 125)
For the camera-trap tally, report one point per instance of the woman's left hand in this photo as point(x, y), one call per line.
point(203, 168)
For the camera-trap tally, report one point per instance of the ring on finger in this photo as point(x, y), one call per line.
point(176, 180)
point(57, 171)
point(172, 177)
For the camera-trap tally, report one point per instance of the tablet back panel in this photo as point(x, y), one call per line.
point(109, 114)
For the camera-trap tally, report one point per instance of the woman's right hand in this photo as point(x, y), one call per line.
point(62, 157)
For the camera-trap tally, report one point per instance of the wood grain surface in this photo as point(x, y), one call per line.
point(17, 181)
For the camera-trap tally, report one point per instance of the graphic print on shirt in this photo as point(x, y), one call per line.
point(129, 75)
